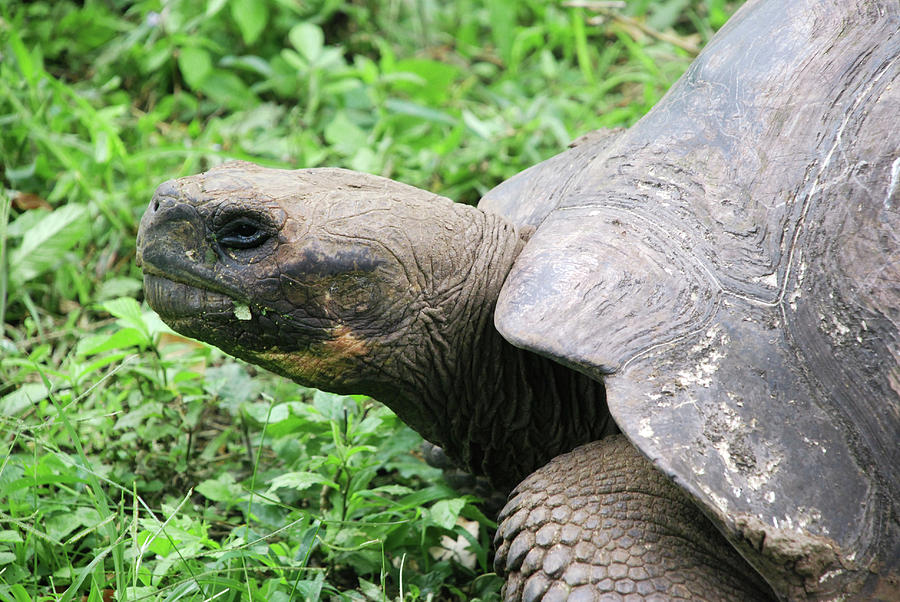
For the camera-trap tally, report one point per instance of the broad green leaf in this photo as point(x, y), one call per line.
point(370, 590)
point(330, 58)
point(233, 384)
point(380, 492)
point(251, 17)
point(46, 241)
point(333, 406)
point(20, 593)
point(295, 62)
point(195, 65)
point(359, 449)
point(344, 135)
point(134, 418)
point(25, 222)
point(155, 324)
point(444, 513)
point(8, 536)
point(155, 57)
point(280, 419)
point(308, 39)
point(300, 480)
point(366, 160)
point(250, 63)
point(118, 287)
point(139, 592)
point(221, 489)
point(14, 174)
point(228, 90)
point(405, 107)
point(213, 7)
point(120, 339)
point(160, 545)
point(22, 398)
point(436, 79)
point(128, 311)
point(62, 524)
point(278, 413)
point(42, 478)
point(310, 589)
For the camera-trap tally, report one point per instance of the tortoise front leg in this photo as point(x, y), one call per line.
point(600, 523)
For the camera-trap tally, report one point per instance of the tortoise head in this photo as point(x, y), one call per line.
point(327, 276)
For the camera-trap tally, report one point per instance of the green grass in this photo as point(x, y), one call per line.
point(138, 465)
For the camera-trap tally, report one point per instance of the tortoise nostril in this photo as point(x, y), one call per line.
point(167, 190)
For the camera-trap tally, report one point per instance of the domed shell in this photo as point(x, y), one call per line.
point(730, 266)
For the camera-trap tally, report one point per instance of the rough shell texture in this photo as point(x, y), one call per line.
point(732, 263)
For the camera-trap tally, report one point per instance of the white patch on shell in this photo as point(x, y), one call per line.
point(841, 328)
point(756, 481)
point(800, 522)
point(837, 331)
point(708, 364)
point(798, 287)
point(242, 312)
point(770, 280)
point(812, 443)
point(718, 501)
point(645, 429)
point(806, 517)
point(724, 450)
point(895, 181)
point(830, 575)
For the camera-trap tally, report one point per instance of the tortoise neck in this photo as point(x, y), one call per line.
point(495, 409)
point(518, 410)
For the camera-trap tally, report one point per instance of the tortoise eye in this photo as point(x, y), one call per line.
point(242, 233)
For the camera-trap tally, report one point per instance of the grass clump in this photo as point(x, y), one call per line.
point(138, 465)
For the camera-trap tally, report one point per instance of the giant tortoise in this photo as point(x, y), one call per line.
point(686, 333)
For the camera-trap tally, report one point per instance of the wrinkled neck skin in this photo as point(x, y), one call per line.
point(495, 409)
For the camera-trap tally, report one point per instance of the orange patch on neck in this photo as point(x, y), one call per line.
point(324, 365)
point(345, 343)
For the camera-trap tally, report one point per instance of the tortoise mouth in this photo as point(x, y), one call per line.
point(173, 299)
